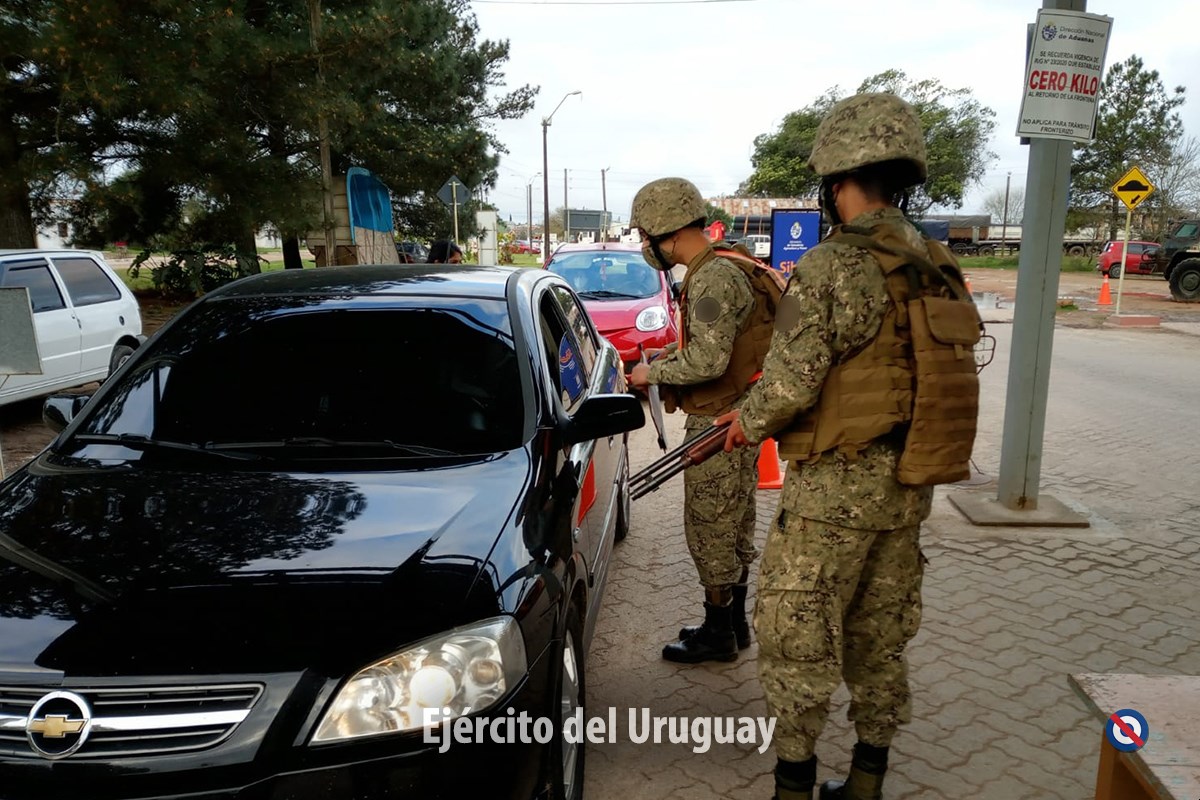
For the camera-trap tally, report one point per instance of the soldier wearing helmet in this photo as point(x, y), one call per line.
point(725, 330)
point(839, 588)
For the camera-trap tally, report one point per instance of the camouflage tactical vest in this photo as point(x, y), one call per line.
point(717, 396)
point(917, 378)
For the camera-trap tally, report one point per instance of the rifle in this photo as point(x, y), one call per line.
point(654, 401)
point(699, 448)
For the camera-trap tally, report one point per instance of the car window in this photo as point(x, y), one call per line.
point(608, 274)
point(440, 374)
point(1187, 230)
point(43, 291)
point(86, 282)
point(581, 327)
point(1135, 249)
point(563, 361)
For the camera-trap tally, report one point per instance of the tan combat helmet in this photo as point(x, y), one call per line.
point(867, 129)
point(667, 205)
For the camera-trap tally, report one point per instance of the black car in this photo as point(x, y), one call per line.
point(318, 519)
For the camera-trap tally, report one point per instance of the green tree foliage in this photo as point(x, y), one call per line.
point(957, 130)
point(1137, 123)
point(208, 110)
point(717, 213)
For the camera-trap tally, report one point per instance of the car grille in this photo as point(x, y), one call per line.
point(137, 721)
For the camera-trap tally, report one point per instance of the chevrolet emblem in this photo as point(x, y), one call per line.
point(56, 726)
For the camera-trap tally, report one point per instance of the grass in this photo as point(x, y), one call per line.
point(1068, 264)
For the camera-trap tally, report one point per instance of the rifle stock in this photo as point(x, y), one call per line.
point(696, 450)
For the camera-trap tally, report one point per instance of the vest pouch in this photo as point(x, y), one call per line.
point(952, 321)
point(937, 448)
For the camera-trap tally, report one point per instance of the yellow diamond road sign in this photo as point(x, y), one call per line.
point(1133, 188)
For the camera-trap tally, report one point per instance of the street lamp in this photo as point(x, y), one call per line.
point(546, 178)
point(529, 206)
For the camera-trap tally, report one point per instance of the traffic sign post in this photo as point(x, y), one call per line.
point(1133, 188)
point(449, 193)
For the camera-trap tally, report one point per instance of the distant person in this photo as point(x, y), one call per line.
point(444, 251)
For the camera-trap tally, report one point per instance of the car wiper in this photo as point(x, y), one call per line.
point(137, 441)
point(323, 441)
point(597, 293)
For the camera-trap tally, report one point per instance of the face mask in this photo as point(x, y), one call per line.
point(651, 252)
point(829, 203)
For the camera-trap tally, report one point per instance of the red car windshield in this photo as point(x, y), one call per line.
point(608, 275)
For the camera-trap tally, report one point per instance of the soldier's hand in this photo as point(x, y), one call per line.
point(640, 377)
point(734, 437)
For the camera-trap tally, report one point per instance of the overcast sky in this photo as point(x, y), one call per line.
point(683, 88)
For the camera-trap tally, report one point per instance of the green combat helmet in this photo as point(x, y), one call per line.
point(667, 205)
point(867, 129)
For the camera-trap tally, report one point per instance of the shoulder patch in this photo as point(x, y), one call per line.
point(708, 309)
point(788, 313)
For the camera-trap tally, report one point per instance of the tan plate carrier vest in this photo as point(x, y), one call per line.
point(717, 396)
point(917, 377)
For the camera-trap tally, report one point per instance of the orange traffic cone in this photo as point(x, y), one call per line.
point(1105, 296)
point(967, 281)
point(770, 476)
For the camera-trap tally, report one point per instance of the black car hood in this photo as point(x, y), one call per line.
point(116, 572)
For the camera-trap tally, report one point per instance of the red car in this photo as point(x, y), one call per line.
point(522, 246)
point(631, 302)
point(1140, 260)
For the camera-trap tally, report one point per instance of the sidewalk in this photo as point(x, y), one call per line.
point(1009, 614)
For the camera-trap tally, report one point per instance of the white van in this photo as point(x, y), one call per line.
point(759, 244)
point(85, 318)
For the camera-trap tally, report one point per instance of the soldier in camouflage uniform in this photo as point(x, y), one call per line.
point(839, 590)
point(707, 375)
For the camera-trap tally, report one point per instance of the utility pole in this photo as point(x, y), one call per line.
point(566, 211)
point(604, 205)
point(529, 214)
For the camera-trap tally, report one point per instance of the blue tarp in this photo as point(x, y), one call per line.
point(369, 200)
point(936, 229)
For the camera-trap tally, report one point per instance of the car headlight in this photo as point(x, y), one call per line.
point(464, 670)
point(651, 319)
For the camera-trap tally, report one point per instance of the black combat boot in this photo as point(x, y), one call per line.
point(741, 625)
point(866, 776)
point(713, 641)
point(794, 780)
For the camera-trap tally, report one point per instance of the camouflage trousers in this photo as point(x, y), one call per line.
point(719, 511)
point(836, 603)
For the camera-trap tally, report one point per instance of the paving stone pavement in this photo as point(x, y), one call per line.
point(1009, 613)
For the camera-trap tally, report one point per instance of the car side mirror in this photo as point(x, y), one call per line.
point(603, 415)
point(59, 410)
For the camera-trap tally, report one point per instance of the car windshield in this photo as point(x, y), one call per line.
point(608, 274)
point(1186, 231)
point(309, 378)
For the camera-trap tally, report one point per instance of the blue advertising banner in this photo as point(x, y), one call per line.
point(793, 233)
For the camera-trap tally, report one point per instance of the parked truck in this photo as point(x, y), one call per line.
point(1179, 260)
point(977, 235)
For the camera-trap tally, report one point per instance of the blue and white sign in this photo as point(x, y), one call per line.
point(793, 233)
point(1127, 730)
point(569, 373)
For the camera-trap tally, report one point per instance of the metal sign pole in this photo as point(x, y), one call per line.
point(1124, 257)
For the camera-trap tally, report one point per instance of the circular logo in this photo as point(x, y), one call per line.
point(1127, 730)
point(58, 724)
point(796, 230)
point(1049, 32)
